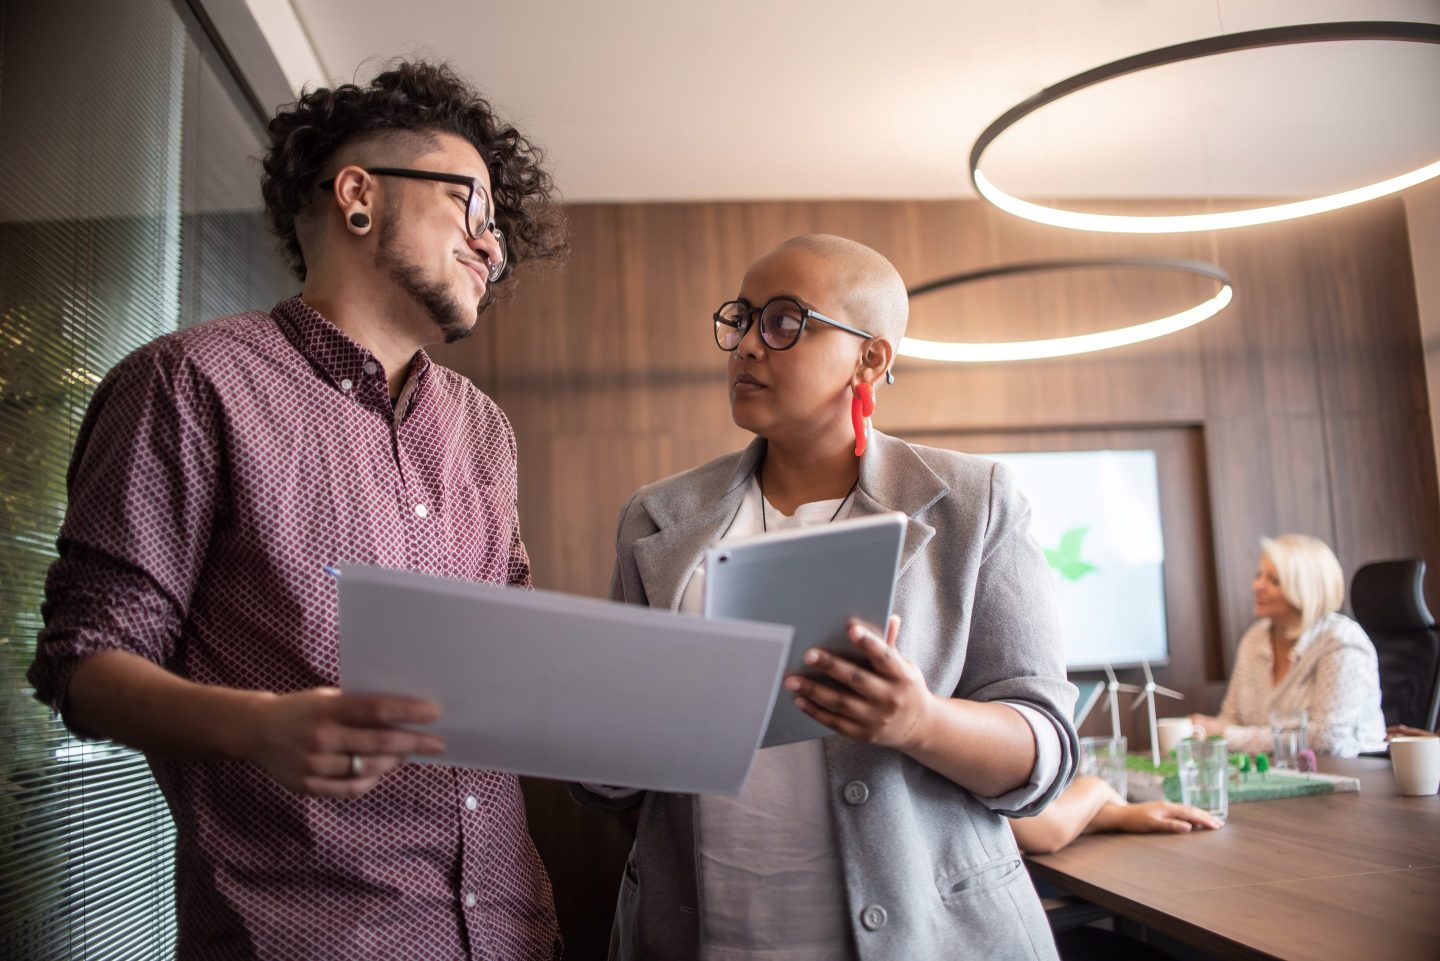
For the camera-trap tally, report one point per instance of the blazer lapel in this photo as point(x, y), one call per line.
point(688, 524)
point(895, 478)
point(917, 532)
point(666, 558)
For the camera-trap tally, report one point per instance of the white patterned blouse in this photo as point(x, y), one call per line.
point(1334, 676)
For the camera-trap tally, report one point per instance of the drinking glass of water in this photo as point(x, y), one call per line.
point(1105, 758)
point(1205, 775)
point(1287, 734)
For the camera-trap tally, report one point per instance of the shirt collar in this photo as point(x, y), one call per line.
point(348, 366)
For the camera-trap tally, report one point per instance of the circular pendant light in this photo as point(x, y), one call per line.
point(992, 352)
point(1195, 50)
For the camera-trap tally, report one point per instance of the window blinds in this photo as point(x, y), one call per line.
point(129, 205)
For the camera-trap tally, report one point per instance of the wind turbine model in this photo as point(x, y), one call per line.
point(1114, 687)
point(1147, 695)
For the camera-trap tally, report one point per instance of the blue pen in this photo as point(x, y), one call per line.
point(332, 570)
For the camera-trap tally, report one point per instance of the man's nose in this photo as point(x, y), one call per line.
point(487, 247)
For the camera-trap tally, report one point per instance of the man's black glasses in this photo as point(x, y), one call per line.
point(479, 212)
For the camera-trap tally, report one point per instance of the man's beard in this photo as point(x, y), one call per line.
point(432, 296)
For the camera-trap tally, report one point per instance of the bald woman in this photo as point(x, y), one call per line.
point(886, 840)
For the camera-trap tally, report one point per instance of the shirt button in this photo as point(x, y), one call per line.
point(856, 793)
point(421, 510)
point(345, 384)
point(370, 367)
point(471, 804)
point(874, 917)
point(469, 900)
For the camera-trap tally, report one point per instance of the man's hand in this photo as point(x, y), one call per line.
point(306, 740)
point(881, 702)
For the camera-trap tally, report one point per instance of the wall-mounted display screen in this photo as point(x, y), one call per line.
point(1096, 515)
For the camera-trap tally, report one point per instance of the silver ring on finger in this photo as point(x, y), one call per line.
point(357, 766)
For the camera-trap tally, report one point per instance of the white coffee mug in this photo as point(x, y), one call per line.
point(1172, 731)
point(1417, 764)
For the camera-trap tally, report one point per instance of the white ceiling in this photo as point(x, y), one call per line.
point(671, 99)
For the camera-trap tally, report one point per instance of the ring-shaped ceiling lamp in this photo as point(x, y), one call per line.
point(1195, 50)
point(995, 352)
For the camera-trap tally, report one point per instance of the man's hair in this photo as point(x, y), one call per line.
point(409, 104)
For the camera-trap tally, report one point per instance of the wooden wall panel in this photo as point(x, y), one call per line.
point(1264, 481)
point(1389, 508)
point(1303, 406)
point(1259, 355)
point(574, 546)
point(1367, 345)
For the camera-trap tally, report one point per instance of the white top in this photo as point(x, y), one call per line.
point(1334, 677)
point(772, 885)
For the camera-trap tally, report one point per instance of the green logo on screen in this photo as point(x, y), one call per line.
point(1065, 558)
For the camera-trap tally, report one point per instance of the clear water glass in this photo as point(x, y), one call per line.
point(1287, 736)
point(1104, 757)
point(1205, 775)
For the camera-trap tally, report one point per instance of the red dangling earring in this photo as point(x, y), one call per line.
point(862, 405)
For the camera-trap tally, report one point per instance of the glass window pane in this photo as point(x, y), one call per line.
point(129, 204)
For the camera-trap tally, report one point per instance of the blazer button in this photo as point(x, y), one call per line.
point(874, 917)
point(856, 793)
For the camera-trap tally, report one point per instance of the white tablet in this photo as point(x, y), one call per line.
point(814, 579)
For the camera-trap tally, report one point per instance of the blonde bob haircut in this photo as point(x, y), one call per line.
point(1310, 576)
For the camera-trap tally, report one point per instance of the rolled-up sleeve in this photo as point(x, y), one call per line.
point(1047, 763)
point(1015, 654)
point(143, 494)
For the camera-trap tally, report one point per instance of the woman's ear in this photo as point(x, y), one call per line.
point(875, 359)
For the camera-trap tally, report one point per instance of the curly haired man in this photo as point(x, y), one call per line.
point(220, 468)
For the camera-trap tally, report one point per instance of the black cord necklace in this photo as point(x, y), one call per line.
point(765, 526)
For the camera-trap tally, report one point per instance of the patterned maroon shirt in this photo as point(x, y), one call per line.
point(218, 469)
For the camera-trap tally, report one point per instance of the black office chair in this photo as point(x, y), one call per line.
point(1388, 598)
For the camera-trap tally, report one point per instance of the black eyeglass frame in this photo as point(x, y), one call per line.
point(460, 180)
point(806, 314)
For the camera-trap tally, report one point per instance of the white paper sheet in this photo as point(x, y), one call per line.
point(566, 687)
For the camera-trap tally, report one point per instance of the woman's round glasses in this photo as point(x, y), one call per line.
point(479, 211)
point(782, 321)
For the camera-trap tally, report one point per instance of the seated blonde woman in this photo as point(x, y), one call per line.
point(1302, 655)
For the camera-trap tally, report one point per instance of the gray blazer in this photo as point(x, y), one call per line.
point(931, 870)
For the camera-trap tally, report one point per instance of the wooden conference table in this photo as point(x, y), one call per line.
point(1344, 876)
